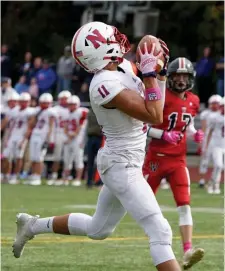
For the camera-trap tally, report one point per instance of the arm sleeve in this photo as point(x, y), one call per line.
point(191, 129)
point(105, 91)
point(162, 86)
point(155, 133)
point(203, 115)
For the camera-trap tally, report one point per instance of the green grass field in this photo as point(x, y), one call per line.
point(126, 250)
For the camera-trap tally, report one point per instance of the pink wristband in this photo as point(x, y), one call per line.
point(153, 94)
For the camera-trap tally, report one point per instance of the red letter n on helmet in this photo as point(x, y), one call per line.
point(95, 40)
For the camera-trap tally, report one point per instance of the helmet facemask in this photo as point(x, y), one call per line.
point(180, 82)
point(122, 41)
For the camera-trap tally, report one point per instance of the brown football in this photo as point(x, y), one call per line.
point(150, 40)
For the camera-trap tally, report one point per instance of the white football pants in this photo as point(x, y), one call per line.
point(125, 189)
point(13, 149)
point(73, 153)
point(37, 153)
point(59, 145)
point(218, 163)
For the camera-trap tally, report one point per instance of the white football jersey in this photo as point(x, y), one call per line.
point(42, 126)
point(62, 114)
point(122, 132)
point(218, 134)
point(21, 121)
point(207, 114)
point(11, 114)
point(83, 122)
point(76, 119)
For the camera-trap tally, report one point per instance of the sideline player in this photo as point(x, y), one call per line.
point(41, 136)
point(215, 137)
point(74, 131)
point(62, 112)
point(7, 124)
point(166, 155)
point(19, 135)
point(206, 154)
point(117, 99)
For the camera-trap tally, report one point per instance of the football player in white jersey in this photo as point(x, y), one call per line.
point(19, 135)
point(60, 121)
point(122, 106)
point(41, 136)
point(205, 116)
point(74, 131)
point(215, 137)
point(7, 124)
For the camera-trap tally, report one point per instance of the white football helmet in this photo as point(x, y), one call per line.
point(24, 97)
point(45, 98)
point(215, 99)
point(96, 44)
point(64, 94)
point(74, 100)
point(13, 97)
point(222, 101)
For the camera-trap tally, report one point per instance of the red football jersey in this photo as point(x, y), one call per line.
point(177, 115)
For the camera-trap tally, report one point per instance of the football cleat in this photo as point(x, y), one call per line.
point(13, 181)
point(76, 183)
point(210, 188)
point(35, 182)
point(24, 234)
point(59, 183)
point(217, 191)
point(50, 182)
point(192, 256)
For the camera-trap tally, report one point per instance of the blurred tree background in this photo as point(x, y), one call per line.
point(46, 27)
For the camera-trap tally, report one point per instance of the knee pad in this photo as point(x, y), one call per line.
point(161, 254)
point(160, 233)
point(185, 217)
point(158, 229)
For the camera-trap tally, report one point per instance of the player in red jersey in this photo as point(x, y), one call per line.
point(167, 150)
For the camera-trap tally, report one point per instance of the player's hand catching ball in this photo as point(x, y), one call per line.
point(149, 56)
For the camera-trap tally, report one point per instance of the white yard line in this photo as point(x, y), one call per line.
point(163, 208)
point(209, 210)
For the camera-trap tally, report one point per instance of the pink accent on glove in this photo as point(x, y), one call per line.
point(199, 136)
point(172, 137)
point(148, 61)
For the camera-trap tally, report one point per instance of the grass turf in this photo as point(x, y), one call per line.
point(127, 249)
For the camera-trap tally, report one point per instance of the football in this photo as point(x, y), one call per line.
point(149, 39)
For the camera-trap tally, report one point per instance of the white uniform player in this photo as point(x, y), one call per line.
point(41, 136)
point(115, 95)
point(215, 138)
point(81, 137)
point(74, 149)
point(8, 120)
point(18, 138)
point(205, 116)
point(60, 137)
point(7, 124)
